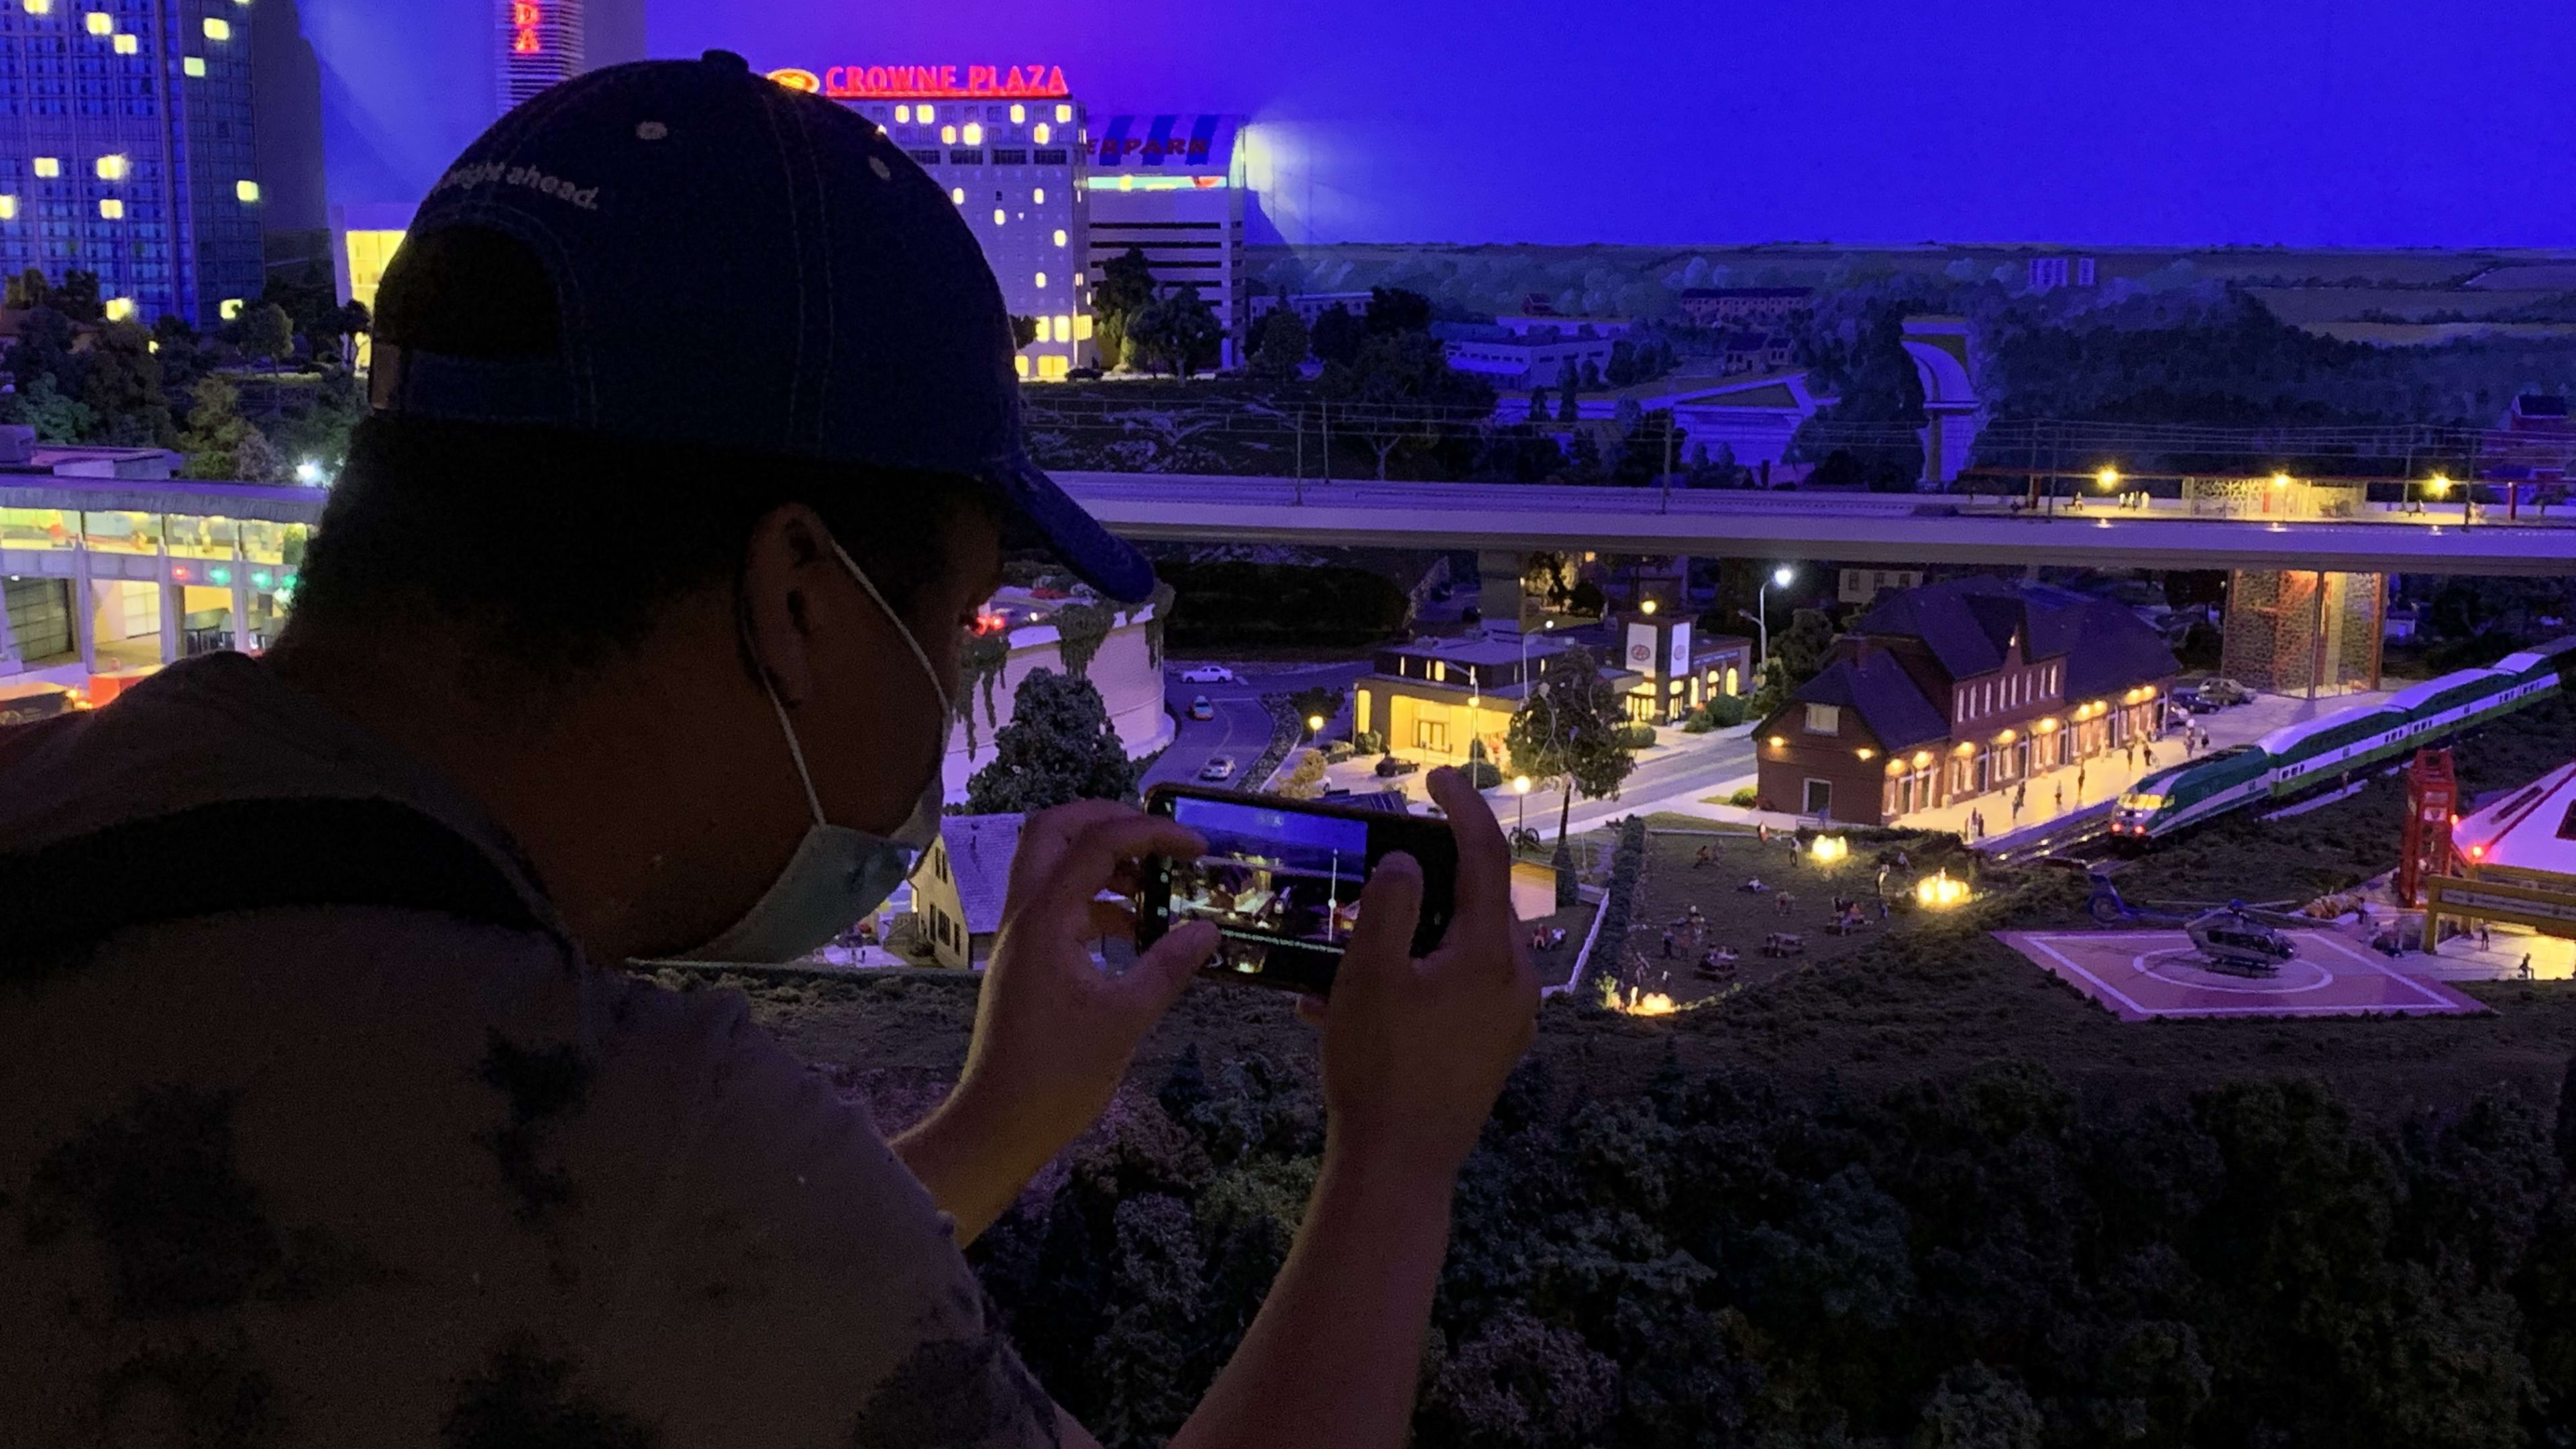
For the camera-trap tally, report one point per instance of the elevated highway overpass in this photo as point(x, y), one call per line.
point(1892, 528)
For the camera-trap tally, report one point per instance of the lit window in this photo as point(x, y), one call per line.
point(925, 114)
point(112, 209)
point(948, 135)
point(126, 45)
point(194, 65)
point(40, 7)
point(8, 208)
point(247, 191)
point(1041, 133)
point(903, 115)
point(1038, 197)
point(957, 194)
point(120, 309)
point(998, 216)
point(1063, 114)
point(229, 308)
point(1082, 327)
point(1019, 113)
point(100, 23)
point(1059, 236)
point(1020, 363)
point(218, 29)
point(1077, 279)
point(1041, 281)
point(113, 168)
point(974, 134)
point(1063, 328)
point(49, 166)
point(1824, 719)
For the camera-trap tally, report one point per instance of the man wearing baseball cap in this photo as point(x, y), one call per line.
point(632, 631)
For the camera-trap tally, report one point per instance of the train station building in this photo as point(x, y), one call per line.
point(1959, 689)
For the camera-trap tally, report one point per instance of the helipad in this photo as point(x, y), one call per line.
point(2145, 974)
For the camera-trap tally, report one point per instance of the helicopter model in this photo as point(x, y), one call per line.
point(2235, 938)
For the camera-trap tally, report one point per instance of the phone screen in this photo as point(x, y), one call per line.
point(1282, 881)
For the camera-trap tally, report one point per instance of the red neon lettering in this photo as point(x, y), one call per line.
point(851, 82)
point(524, 13)
point(525, 43)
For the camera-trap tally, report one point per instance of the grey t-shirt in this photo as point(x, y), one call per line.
point(349, 1174)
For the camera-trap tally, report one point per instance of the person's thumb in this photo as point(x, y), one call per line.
point(1161, 974)
point(1389, 908)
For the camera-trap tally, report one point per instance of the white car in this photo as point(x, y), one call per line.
point(1208, 674)
point(1200, 708)
point(1218, 767)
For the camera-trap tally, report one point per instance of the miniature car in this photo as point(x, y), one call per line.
point(1393, 765)
point(1201, 709)
point(2223, 692)
point(2193, 700)
point(1218, 767)
point(1208, 674)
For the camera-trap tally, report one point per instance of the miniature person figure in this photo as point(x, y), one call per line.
point(2020, 793)
point(1700, 859)
point(1882, 910)
point(1668, 945)
point(2079, 780)
point(2525, 969)
point(2150, 751)
point(2061, 797)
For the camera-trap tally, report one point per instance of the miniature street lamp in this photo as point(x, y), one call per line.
point(1521, 788)
point(2108, 478)
point(1314, 724)
point(1762, 615)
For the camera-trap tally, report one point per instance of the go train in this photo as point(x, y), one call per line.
point(2297, 758)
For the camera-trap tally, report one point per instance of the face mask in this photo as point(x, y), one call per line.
point(838, 874)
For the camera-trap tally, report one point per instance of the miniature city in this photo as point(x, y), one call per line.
point(2039, 770)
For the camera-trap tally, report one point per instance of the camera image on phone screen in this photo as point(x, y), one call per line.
point(1275, 883)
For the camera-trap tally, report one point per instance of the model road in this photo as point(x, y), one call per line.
point(1241, 727)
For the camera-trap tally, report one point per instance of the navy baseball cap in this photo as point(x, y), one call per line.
point(742, 266)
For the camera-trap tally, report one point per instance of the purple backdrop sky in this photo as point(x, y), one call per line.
point(2304, 122)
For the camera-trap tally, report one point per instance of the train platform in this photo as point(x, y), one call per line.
point(2144, 975)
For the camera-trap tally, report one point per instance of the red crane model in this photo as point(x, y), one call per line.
point(2432, 803)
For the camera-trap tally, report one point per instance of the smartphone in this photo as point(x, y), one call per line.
point(1281, 881)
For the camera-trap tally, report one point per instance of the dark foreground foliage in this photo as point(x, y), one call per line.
point(1981, 1259)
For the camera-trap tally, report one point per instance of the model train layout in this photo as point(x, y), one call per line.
point(2297, 758)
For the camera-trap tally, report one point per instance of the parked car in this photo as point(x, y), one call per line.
point(1218, 767)
point(2223, 691)
point(1201, 709)
point(1394, 765)
point(1208, 674)
point(2190, 699)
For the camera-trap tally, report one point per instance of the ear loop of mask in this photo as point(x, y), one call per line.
point(796, 751)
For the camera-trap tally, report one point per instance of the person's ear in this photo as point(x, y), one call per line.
point(784, 598)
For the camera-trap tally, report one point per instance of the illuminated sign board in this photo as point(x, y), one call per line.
point(525, 17)
point(928, 82)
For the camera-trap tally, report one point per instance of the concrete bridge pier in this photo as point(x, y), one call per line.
point(1499, 597)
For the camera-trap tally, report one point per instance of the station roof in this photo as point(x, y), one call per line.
point(2533, 828)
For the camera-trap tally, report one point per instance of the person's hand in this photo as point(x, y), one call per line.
point(1054, 1033)
point(1415, 1051)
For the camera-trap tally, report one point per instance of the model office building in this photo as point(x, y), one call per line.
point(1015, 170)
point(1172, 188)
point(125, 151)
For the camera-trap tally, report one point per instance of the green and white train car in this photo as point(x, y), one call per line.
point(2297, 758)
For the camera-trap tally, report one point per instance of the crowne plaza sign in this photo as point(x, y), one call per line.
point(928, 82)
